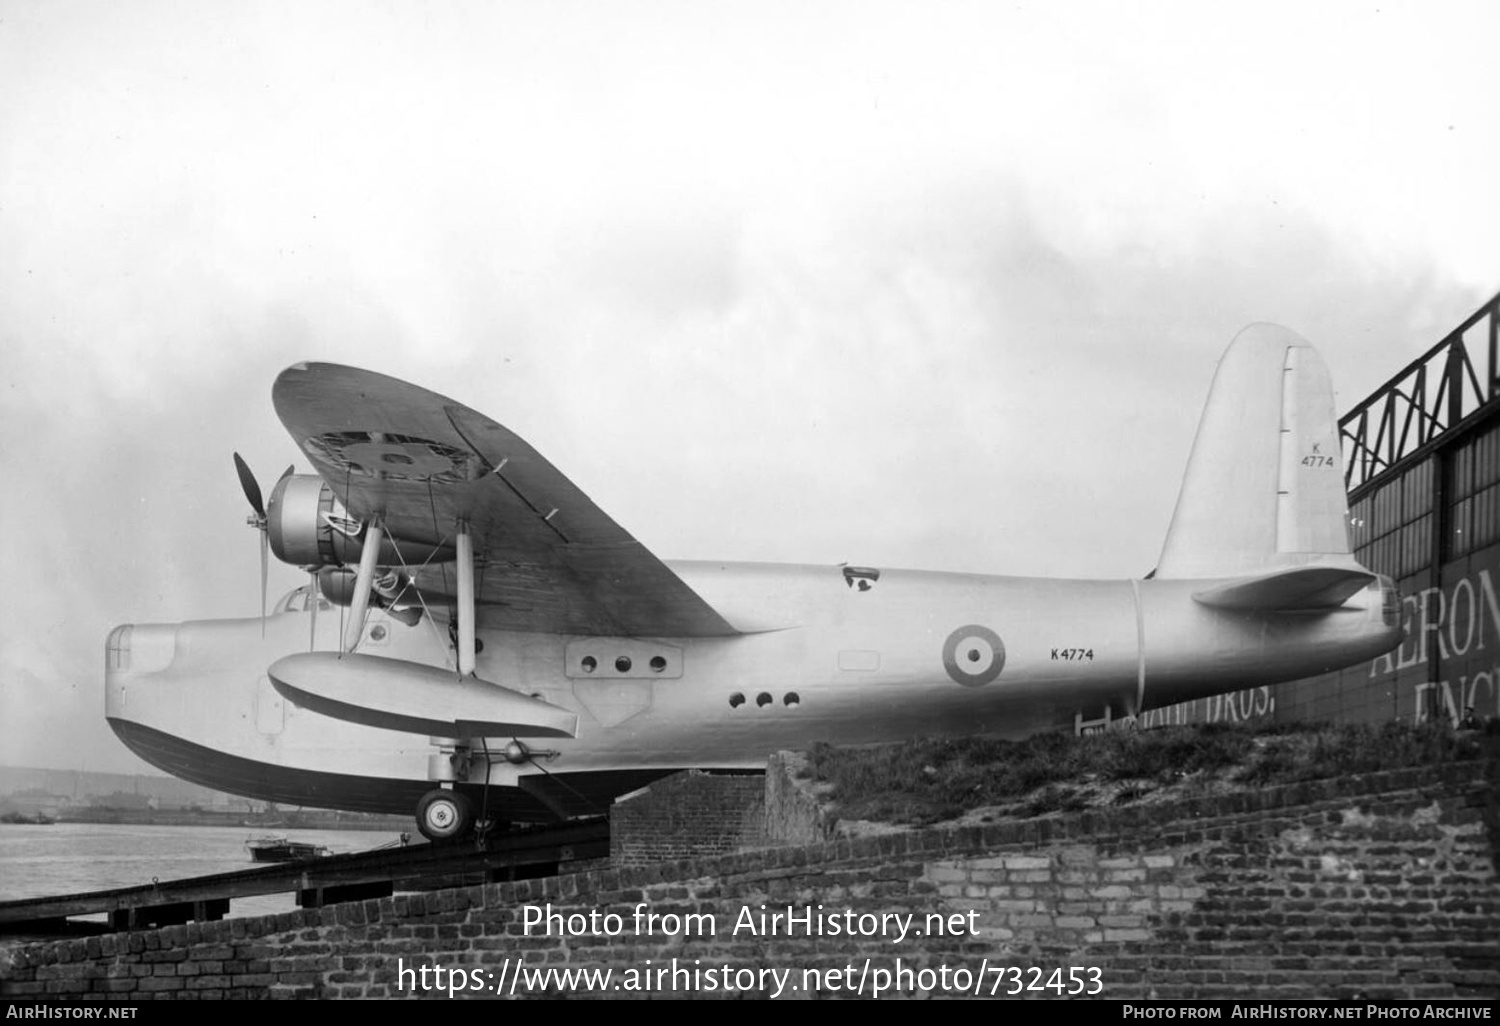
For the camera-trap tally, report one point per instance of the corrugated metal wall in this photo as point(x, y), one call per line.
point(1450, 588)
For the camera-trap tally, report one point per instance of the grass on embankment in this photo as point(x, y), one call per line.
point(930, 781)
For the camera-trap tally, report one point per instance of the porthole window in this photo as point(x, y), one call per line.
point(377, 633)
point(589, 664)
point(658, 663)
point(622, 664)
point(763, 699)
point(791, 700)
point(736, 700)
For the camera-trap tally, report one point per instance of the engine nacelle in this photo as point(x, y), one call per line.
point(390, 587)
point(309, 526)
point(392, 591)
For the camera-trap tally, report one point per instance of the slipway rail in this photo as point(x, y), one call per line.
point(321, 881)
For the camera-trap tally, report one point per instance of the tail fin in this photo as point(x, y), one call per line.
point(1264, 489)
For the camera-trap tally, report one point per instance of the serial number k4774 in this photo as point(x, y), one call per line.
point(1073, 654)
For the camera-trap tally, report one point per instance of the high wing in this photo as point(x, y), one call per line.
point(546, 558)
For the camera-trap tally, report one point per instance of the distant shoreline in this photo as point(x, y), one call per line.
point(300, 820)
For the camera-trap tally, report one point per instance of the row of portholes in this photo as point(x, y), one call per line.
point(623, 664)
point(791, 700)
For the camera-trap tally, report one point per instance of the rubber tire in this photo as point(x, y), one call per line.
point(444, 815)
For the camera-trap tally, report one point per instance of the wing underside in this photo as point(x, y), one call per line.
point(546, 558)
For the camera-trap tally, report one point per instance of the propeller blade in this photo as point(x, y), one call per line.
point(251, 488)
point(287, 473)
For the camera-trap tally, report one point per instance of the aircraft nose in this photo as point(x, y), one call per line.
point(141, 647)
point(133, 649)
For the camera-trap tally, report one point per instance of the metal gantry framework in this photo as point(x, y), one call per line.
point(1438, 393)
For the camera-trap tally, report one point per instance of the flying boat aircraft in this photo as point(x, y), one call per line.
point(479, 640)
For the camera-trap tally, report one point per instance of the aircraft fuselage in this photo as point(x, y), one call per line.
point(844, 655)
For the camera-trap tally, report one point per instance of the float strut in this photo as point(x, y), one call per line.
point(362, 582)
point(465, 561)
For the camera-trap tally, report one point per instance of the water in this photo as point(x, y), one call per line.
point(68, 858)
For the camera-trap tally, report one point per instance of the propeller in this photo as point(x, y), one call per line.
point(261, 522)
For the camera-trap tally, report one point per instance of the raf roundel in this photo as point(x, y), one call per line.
point(973, 655)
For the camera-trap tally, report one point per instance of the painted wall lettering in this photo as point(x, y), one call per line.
point(1450, 698)
point(1465, 618)
point(1235, 707)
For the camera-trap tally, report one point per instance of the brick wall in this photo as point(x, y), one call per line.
point(1382, 886)
point(688, 815)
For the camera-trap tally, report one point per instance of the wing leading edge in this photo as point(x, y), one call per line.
point(545, 555)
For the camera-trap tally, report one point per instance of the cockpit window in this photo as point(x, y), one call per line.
point(295, 601)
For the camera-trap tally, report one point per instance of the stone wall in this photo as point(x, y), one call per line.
point(1381, 886)
point(796, 808)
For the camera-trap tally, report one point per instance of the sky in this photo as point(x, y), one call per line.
point(928, 285)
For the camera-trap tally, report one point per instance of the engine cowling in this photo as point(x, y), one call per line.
point(391, 587)
point(308, 526)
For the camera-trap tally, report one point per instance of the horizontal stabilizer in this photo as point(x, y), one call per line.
point(1303, 589)
point(414, 697)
